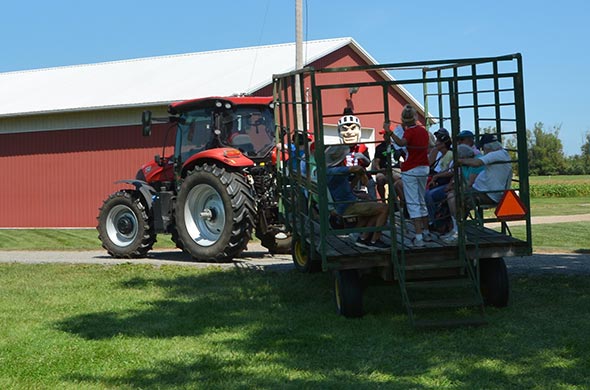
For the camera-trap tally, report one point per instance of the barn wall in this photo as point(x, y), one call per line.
point(58, 168)
point(60, 178)
point(365, 102)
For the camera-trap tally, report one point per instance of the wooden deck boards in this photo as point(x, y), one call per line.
point(341, 251)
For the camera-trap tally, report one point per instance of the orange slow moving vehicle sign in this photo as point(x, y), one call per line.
point(510, 207)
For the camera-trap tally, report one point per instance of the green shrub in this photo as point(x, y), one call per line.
point(559, 190)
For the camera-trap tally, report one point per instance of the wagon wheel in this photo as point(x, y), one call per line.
point(305, 259)
point(495, 287)
point(348, 293)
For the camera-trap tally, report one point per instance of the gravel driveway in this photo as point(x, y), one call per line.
point(257, 257)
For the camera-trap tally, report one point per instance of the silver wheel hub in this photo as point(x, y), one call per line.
point(204, 215)
point(121, 225)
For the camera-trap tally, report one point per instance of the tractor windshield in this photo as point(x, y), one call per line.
point(194, 132)
point(249, 129)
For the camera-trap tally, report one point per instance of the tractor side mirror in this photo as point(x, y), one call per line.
point(146, 122)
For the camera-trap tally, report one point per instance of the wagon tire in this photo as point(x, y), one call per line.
point(348, 293)
point(305, 259)
point(495, 286)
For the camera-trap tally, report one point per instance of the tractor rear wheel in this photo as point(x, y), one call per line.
point(214, 214)
point(124, 226)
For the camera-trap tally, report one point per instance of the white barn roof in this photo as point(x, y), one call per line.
point(154, 80)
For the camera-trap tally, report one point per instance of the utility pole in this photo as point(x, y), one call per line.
point(298, 34)
point(298, 60)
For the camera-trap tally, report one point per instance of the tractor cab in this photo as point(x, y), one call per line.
point(242, 123)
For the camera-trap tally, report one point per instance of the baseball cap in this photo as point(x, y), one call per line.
point(486, 139)
point(465, 134)
point(442, 135)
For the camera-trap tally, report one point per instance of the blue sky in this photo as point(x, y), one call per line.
point(551, 35)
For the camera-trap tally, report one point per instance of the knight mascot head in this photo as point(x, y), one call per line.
point(349, 128)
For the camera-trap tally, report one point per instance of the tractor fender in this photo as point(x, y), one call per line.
point(228, 157)
point(143, 188)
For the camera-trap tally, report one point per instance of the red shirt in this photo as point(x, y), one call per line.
point(352, 160)
point(417, 138)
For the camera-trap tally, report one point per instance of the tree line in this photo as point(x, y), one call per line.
point(546, 156)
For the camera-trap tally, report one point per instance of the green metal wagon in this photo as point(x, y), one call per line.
point(441, 284)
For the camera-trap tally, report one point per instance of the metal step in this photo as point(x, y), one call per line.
point(450, 323)
point(439, 283)
point(445, 303)
point(434, 265)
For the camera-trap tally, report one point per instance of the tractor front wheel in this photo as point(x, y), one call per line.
point(124, 226)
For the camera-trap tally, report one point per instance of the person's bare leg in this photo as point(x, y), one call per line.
point(399, 189)
point(381, 179)
point(380, 220)
point(364, 222)
point(418, 225)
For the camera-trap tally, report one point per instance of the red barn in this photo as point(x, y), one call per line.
point(68, 133)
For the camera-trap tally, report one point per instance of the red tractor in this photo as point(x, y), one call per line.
point(217, 187)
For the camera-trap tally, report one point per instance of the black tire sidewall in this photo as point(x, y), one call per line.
point(495, 286)
point(140, 245)
point(348, 290)
point(227, 246)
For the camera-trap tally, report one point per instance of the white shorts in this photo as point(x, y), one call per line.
point(414, 189)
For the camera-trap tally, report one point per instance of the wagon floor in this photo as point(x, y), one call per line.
point(481, 242)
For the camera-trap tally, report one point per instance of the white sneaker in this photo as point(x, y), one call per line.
point(427, 236)
point(451, 238)
point(418, 243)
point(449, 233)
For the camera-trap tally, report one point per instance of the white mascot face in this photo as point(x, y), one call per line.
point(349, 128)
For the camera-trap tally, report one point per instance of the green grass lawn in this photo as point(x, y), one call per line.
point(560, 206)
point(60, 239)
point(545, 238)
point(132, 326)
point(549, 238)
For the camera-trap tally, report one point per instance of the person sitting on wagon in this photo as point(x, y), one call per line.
point(468, 175)
point(497, 175)
point(349, 131)
point(368, 213)
point(441, 158)
point(466, 137)
point(388, 155)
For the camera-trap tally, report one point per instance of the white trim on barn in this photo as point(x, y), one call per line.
point(115, 93)
point(78, 119)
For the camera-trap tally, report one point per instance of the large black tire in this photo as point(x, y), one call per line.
point(304, 260)
point(495, 286)
point(348, 293)
point(124, 226)
point(214, 214)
